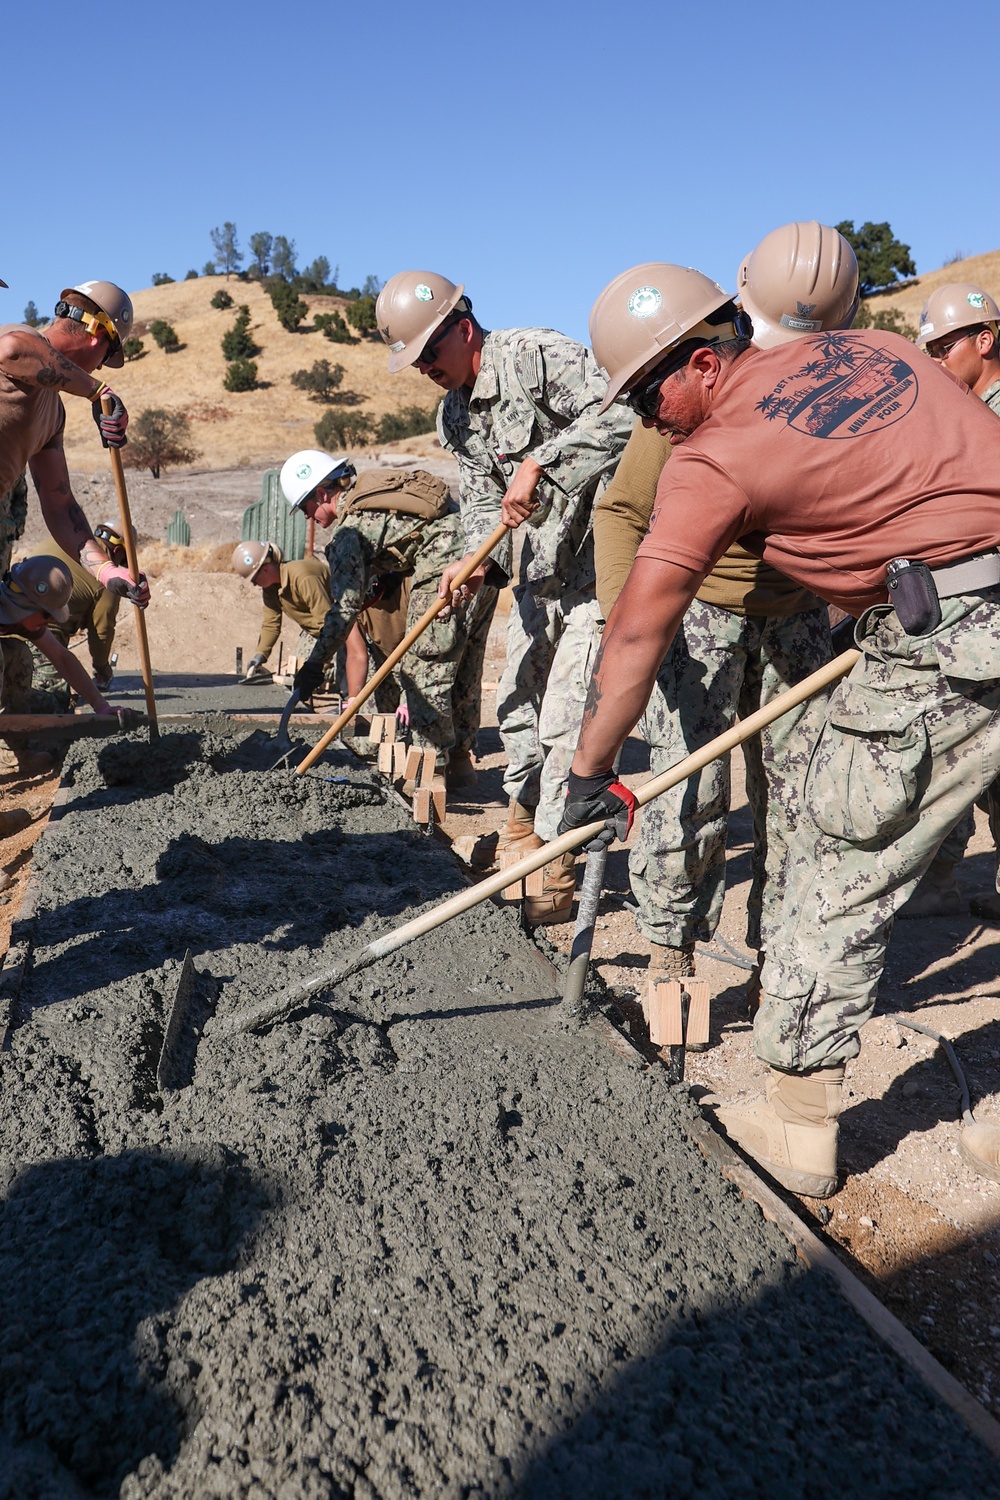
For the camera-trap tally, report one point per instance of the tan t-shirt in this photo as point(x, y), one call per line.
point(32, 418)
point(829, 456)
point(303, 594)
point(739, 581)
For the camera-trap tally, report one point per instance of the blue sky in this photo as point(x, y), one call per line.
point(532, 151)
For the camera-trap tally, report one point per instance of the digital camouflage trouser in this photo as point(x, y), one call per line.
point(442, 673)
point(551, 645)
point(721, 666)
point(910, 739)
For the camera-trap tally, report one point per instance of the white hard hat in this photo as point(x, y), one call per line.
point(308, 468)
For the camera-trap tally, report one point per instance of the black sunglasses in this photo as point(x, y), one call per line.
point(644, 398)
point(429, 352)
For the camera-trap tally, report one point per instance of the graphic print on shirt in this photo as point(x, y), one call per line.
point(846, 390)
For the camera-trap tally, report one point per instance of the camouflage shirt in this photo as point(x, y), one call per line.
point(359, 553)
point(991, 396)
point(536, 395)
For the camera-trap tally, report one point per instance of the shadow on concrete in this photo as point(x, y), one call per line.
point(94, 1258)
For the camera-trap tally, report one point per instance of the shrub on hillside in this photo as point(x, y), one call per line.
point(132, 348)
point(288, 305)
point(342, 429)
point(888, 319)
point(361, 315)
point(321, 380)
point(333, 327)
point(165, 336)
point(241, 375)
point(31, 316)
point(410, 422)
point(221, 300)
point(192, 275)
point(158, 438)
point(160, 278)
point(238, 342)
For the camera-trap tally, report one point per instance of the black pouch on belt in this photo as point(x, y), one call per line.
point(914, 595)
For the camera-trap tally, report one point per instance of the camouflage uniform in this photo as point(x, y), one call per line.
point(722, 665)
point(91, 608)
point(536, 395)
point(15, 659)
point(910, 739)
point(441, 674)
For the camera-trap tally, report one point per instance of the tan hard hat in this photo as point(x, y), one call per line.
point(801, 278)
point(644, 312)
point(957, 305)
point(41, 582)
point(250, 557)
point(116, 305)
point(410, 307)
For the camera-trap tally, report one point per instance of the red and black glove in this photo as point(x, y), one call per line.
point(593, 798)
point(111, 427)
point(120, 581)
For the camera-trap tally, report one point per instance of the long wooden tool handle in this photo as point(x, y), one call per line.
point(279, 1006)
point(133, 567)
point(377, 679)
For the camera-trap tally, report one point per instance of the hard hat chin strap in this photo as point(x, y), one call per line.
point(92, 323)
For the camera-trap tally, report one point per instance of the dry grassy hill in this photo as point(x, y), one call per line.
point(982, 270)
point(256, 428)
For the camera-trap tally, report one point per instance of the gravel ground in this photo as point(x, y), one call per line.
point(454, 1248)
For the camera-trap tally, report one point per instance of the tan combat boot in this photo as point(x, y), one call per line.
point(558, 888)
point(13, 820)
point(460, 773)
point(15, 758)
point(518, 833)
point(979, 1144)
point(793, 1132)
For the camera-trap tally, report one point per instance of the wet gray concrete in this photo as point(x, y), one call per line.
point(454, 1249)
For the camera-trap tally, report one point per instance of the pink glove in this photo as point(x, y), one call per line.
point(403, 715)
point(119, 581)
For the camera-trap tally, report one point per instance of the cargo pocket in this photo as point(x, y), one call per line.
point(870, 765)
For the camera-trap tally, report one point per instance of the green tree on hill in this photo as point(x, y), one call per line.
point(228, 255)
point(410, 422)
point(31, 316)
point(321, 380)
point(333, 327)
point(221, 300)
point(160, 278)
point(283, 257)
point(157, 439)
point(882, 259)
point(890, 319)
point(132, 348)
point(260, 249)
point(238, 342)
point(361, 314)
point(288, 305)
point(342, 429)
point(165, 336)
point(241, 375)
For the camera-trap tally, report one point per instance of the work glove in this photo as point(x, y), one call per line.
point(128, 718)
point(589, 798)
point(254, 672)
point(120, 581)
point(308, 678)
point(111, 427)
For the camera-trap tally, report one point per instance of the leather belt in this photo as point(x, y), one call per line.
point(968, 576)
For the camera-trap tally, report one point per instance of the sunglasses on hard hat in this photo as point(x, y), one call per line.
point(429, 352)
point(941, 348)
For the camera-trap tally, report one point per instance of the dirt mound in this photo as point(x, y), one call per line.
point(451, 1248)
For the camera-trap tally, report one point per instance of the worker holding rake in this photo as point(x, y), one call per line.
point(869, 475)
point(523, 417)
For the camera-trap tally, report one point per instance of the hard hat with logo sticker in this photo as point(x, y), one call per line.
point(644, 312)
point(410, 308)
point(37, 583)
point(250, 557)
point(957, 305)
point(115, 316)
point(308, 468)
point(801, 278)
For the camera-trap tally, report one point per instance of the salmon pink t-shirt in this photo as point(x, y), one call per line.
point(828, 456)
